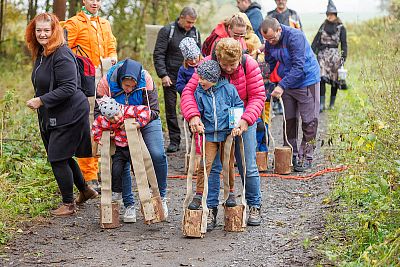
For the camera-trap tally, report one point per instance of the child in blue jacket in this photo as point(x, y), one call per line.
point(192, 56)
point(214, 97)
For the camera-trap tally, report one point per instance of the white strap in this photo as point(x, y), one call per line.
point(243, 198)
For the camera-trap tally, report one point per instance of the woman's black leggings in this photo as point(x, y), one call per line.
point(334, 89)
point(67, 174)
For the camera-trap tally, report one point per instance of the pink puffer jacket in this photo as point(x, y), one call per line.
point(250, 87)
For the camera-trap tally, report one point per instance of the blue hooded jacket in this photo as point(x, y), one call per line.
point(298, 66)
point(214, 105)
point(127, 68)
point(184, 75)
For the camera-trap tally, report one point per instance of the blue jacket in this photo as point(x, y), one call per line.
point(255, 16)
point(121, 70)
point(184, 75)
point(213, 107)
point(298, 66)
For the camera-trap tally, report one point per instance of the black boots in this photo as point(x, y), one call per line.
point(212, 219)
point(332, 102)
point(321, 104)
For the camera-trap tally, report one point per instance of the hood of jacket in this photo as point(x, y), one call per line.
point(129, 69)
point(254, 5)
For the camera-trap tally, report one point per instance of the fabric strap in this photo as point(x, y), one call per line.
point(138, 163)
point(106, 205)
point(189, 184)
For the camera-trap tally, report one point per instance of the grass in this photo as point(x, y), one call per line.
point(364, 228)
point(27, 185)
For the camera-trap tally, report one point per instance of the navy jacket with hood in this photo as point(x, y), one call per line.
point(214, 105)
point(298, 66)
point(255, 16)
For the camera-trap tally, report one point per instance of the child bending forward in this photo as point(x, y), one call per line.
point(214, 97)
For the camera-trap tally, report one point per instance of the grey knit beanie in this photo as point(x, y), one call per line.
point(109, 107)
point(209, 70)
point(189, 48)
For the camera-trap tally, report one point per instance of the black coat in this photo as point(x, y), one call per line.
point(167, 56)
point(65, 110)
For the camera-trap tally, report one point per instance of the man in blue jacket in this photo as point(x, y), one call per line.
point(253, 12)
point(299, 87)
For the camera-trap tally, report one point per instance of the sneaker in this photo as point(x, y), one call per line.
point(65, 209)
point(302, 166)
point(164, 206)
point(231, 201)
point(116, 197)
point(254, 216)
point(130, 214)
point(85, 195)
point(95, 185)
point(212, 219)
point(172, 148)
point(196, 203)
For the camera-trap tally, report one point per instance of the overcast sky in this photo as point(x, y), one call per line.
point(308, 6)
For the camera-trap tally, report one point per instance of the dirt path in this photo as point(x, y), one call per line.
point(292, 226)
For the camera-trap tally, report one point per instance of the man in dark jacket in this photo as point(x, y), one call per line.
point(284, 15)
point(167, 60)
point(253, 12)
point(299, 87)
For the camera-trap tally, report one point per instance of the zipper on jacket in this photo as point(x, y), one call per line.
point(215, 115)
point(34, 79)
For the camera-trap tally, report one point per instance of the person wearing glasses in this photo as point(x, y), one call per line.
point(234, 27)
point(299, 87)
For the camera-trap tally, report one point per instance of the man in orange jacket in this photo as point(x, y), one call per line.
point(94, 36)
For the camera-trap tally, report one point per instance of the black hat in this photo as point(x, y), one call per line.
point(331, 8)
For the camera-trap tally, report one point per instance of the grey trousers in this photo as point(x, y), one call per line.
point(302, 103)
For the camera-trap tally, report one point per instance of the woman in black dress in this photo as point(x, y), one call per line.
point(330, 55)
point(63, 109)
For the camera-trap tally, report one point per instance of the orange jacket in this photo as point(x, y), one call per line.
point(96, 42)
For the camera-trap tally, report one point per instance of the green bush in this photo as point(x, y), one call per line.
point(27, 185)
point(364, 228)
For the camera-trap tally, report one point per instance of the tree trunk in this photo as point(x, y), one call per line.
point(73, 5)
point(59, 8)
point(2, 6)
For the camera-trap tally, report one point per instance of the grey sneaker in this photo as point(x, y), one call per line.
point(303, 166)
point(165, 207)
point(130, 214)
point(231, 201)
point(254, 216)
point(116, 197)
point(196, 203)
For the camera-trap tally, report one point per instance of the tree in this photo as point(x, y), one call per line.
point(32, 10)
point(2, 8)
point(59, 8)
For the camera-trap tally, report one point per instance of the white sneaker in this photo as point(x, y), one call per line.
point(165, 207)
point(130, 214)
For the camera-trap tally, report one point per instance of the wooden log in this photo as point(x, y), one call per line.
point(283, 160)
point(115, 217)
point(192, 223)
point(158, 210)
point(234, 218)
point(262, 161)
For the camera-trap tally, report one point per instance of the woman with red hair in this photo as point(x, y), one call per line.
point(63, 109)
